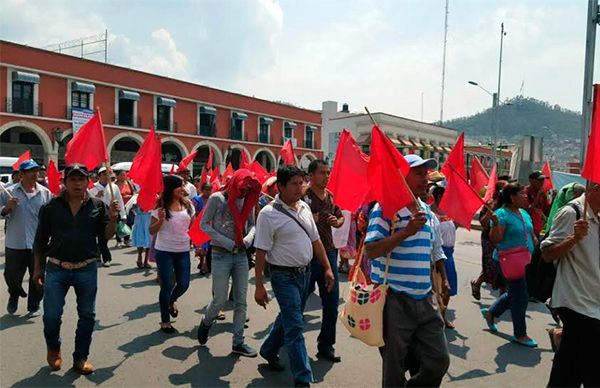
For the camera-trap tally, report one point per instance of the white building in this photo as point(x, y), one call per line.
point(409, 136)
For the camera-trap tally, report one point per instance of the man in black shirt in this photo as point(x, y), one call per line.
point(69, 228)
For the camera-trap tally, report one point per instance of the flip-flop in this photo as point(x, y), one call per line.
point(491, 326)
point(529, 343)
point(475, 291)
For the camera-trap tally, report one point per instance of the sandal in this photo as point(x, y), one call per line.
point(528, 343)
point(475, 290)
point(140, 265)
point(491, 325)
point(147, 266)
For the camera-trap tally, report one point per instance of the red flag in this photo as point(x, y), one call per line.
point(478, 177)
point(460, 201)
point(146, 171)
point(350, 170)
point(91, 184)
point(53, 178)
point(172, 169)
point(197, 235)
point(209, 165)
point(244, 163)
point(203, 176)
point(384, 169)
point(591, 166)
point(216, 184)
point(88, 146)
point(261, 174)
point(548, 183)
point(186, 161)
point(24, 156)
point(228, 172)
point(214, 175)
point(491, 185)
point(287, 153)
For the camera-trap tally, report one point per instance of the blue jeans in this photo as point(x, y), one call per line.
point(516, 298)
point(167, 263)
point(329, 300)
point(290, 290)
point(225, 266)
point(56, 285)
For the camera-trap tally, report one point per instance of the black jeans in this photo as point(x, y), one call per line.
point(104, 251)
point(17, 262)
point(576, 361)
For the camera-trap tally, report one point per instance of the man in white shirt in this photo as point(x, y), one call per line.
point(287, 238)
point(188, 186)
point(104, 190)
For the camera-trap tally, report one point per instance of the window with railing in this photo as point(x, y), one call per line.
point(22, 98)
point(264, 130)
point(207, 121)
point(80, 100)
point(126, 110)
point(163, 118)
point(237, 125)
point(309, 137)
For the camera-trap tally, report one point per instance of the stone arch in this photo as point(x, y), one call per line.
point(266, 151)
point(125, 155)
point(178, 144)
point(138, 139)
point(229, 153)
point(217, 154)
point(47, 146)
point(305, 160)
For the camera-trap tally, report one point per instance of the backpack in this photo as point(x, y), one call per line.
point(540, 275)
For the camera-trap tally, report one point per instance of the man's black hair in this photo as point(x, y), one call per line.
point(312, 167)
point(286, 173)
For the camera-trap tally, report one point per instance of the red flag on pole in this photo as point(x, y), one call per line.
point(146, 171)
point(214, 175)
point(261, 174)
point(244, 163)
point(53, 178)
point(478, 177)
point(88, 146)
point(197, 235)
point(287, 153)
point(491, 185)
point(183, 165)
point(548, 183)
point(384, 169)
point(460, 201)
point(24, 156)
point(591, 166)
point(350, 170)
point(228, 172)
point(209, 165)
point(203, 177)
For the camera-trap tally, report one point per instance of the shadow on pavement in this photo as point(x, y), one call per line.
point(7, 321)
point(457, 344)
point(209, 370)
point(320, 369)
point(46, 377)
point(145, 342)
point(472, 374)
point(142, 311)
point(511, 353)
point(140, 284)
point(127, 271)
point(258, 335)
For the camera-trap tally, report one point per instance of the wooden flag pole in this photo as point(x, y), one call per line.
point(585, 203)
point(110, 186)
point(399, 172)
point(6, 191)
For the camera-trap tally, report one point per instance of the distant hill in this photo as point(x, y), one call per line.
point(521, 116)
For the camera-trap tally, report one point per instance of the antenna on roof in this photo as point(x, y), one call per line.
point(76, 47)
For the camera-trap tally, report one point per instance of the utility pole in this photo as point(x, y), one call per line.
point(444, 64)
point(588, 77)
point(496, 100)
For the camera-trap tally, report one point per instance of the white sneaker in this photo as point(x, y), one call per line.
point(119, 245)
point(34, 313)
point(106, 264)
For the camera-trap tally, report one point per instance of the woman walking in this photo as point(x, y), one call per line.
point(140, 234)
point(127, 191)
point(171, 222)
point(511, 229)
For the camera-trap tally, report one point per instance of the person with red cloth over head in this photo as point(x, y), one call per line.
point(229, 220)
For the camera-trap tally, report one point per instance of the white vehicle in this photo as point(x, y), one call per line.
point(6, 168)
point(126, 166)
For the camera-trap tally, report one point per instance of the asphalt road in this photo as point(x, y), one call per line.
point(129, 350)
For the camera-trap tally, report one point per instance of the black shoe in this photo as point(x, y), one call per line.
point(244, 350)
point(302, 385)
point(203, 333)
point(274, 363)
point(329, 355)
point(168, 329)
point(13, 304)
point(22, 293)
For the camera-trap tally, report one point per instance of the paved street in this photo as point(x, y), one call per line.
point(128, 349)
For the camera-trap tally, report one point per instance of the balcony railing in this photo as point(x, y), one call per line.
point(308, 144)
point(23, 106)
point(206, 130)
point(264, 138)
point(237, 135)
point(162, 126)
point(128, 120)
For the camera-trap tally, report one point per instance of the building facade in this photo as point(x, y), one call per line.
point(46, 96)
point(484, 154)
point(409, 136)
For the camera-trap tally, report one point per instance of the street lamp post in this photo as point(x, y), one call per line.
point(494, 119)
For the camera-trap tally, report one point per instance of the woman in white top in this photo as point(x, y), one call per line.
point(171, 222)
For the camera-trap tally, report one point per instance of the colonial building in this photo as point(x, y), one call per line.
point(484, 154)
point(48, 95)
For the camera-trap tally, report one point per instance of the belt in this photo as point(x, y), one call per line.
point(304, 269)
point(235, 251)
point(69, 265)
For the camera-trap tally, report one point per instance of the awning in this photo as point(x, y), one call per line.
point(266, 120)
point(417, 143)
point(83, 87)
point(395, 141)
point(239, 115)
point(290, 124)
point(21, 76)
point(364, 138)
point(129, 95)
point(164, 101)
point(311, 128)
point(406, 143)
point(209, 110)
point(447, 149)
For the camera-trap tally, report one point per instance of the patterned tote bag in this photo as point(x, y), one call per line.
point(362, 313)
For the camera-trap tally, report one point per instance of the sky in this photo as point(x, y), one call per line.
point(383, 54)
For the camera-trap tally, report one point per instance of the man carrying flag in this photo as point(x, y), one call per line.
point(412, 321)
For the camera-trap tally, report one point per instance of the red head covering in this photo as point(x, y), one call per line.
point(242, 178)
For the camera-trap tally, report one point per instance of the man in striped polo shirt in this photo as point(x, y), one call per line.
point(413, 324)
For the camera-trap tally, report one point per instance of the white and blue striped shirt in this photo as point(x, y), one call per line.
point(410, 262)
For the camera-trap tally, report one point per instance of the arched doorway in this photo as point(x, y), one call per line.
point(62, 150)
point(266, 160)
point(124, 150)
point(170, 153)
point(305, 161)
point(16, 140)
point(201, 159)
point(234, 156)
